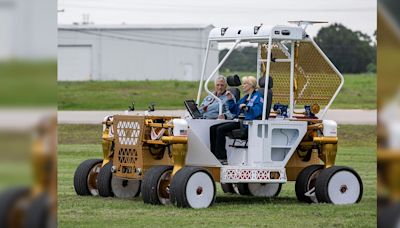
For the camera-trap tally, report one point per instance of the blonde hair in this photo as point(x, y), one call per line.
point(250, 80)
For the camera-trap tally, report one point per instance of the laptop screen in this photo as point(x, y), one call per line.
point(192, 109)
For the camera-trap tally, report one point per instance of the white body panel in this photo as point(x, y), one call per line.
point(330, 128)
point(180, 127)
point(247, 164)
point(281, 139)
point(198, 153)
point(257, 174)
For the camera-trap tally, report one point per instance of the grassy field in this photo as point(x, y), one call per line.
point(357, 149)
point(28, 84)
point(359, 92)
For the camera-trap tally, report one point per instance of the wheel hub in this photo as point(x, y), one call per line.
point(199, 190)
point(92, 179)
point(343, 189)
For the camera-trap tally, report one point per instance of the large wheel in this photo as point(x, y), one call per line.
point(229, 188)
point(243, 189)
point(39, 214)
point(124, 188)
point(10, 210)
point(156, 185)
point(265, 189)
point(85, 177)
point(192, 187)
point(306, 181)
point(104, 180)
point(339, 185)
point(388, 216)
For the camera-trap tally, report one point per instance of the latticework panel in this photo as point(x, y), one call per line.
point(128, 132)
point(315, 80)
point(128, 145)
point(127, 155)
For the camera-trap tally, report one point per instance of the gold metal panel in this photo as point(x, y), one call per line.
point(295, 165)
point(133, 156)
point(128, 134)
point(315, 80)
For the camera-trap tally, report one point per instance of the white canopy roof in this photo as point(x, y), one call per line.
point(258, 32)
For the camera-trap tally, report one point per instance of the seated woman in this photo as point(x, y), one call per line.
point(251, 105)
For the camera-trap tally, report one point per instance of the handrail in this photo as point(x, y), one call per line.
point(203, 71)
point(215, 71)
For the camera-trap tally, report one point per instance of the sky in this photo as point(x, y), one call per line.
point(357, 15)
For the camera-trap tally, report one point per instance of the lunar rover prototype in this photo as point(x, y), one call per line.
point(168, 159)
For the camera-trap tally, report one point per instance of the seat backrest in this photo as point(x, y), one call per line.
point(235, 92)
point(261, 83)
point(234, 81)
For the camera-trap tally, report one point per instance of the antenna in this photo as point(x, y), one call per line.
point(306, 23)
point(85, 19)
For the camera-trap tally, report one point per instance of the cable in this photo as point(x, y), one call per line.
point(155, 36)
point(133, 39)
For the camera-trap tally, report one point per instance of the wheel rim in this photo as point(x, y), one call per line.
point(344, 188)
point(163, 187)
point(311, 184)
point(123, 188)
point(200, 190)
point(92, 179)
point(264, 189)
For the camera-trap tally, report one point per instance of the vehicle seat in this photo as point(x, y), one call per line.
point(261, 83)
point(233, 82)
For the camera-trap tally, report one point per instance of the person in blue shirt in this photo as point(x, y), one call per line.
point(209, 108)
point(251, 105)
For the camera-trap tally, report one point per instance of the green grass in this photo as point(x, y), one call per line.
point(28, 84)
point(359, 91)
point(356, 150)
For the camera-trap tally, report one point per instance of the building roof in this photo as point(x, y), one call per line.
point(137, 26)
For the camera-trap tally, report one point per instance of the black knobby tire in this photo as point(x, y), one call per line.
point(228, 188)
point(38, 213)
point(243, 189)
point(7, 202)
point(178, 186)
point(388, 216)
point(81, 175)
point(301, 185)
point(104, 181)
point(149, 187)
point(321, 185)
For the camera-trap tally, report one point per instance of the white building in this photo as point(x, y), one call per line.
point(127, 52)
point(28, 29)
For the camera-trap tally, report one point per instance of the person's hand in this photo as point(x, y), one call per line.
point(229, 95)
point(221, 117)
point(242, 106)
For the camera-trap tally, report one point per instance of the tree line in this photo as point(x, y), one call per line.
point(350, 51)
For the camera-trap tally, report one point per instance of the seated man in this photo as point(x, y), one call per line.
point(209, 108)
point(251, 105)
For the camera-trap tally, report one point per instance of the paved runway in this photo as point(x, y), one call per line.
point(341, 116)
